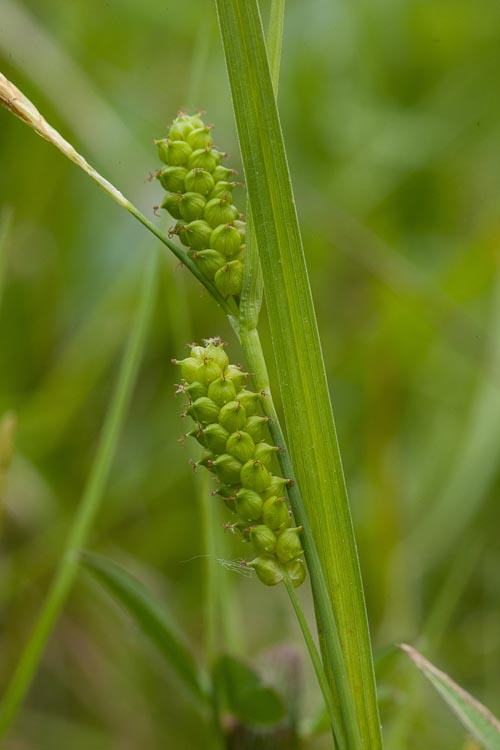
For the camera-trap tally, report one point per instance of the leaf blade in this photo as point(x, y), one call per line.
point(471, 713)
point(310, 428)
point(151, 617)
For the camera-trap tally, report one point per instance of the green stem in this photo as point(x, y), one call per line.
point(327, 627)
point(89, 505)
point(211, 595)
point(313, 652)
point(228, 305)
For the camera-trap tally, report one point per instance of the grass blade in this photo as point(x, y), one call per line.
point(253, 288)
point(92, 496)
point(151, 617)
point(473, 715)
point(310, 427)
point(250, 305)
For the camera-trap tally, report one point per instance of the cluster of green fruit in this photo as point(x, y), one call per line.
point(233, 431)
point(200, 197)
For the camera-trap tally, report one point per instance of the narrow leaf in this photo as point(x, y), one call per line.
point(150, 616)
point(473, 715)
point(247, 697)
point(311, 431)
point(252, 292)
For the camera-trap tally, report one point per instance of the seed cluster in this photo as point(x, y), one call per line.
point(234, 433)
point(200, 197)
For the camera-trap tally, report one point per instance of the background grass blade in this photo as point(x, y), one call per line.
point(92, 496)
point(304, 391)
point(474, 716)
point(151, 617)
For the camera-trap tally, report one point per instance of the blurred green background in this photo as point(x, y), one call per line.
point(391, 117)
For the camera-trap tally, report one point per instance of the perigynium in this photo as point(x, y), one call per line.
point(200, 197)
point(231, 427)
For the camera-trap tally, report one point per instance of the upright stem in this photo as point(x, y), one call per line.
point(211, 595)
point(313, 652)
point(228, 305)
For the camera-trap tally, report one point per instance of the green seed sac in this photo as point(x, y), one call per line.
point(200, 195)
point(231, 428)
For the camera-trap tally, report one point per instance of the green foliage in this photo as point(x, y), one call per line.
point(246, 696)
point(81, 526)
point(311, 431)
point(151, 617)
point(473, 715)
point(392, 121)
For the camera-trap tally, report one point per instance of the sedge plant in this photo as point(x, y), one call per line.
point(241, 300)
point(283, 485)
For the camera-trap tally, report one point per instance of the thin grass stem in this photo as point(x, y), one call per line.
point(313, 653)
point(211, 568)
point(211, 597)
